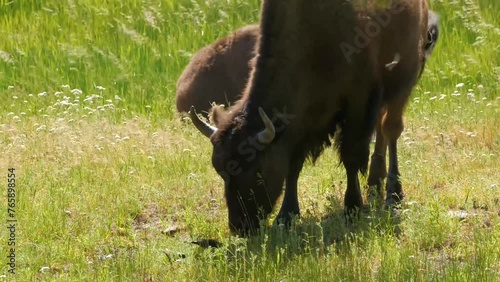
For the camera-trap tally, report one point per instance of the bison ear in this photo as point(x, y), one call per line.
point(216, 115)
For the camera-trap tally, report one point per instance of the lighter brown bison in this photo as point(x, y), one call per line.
point(218, 72)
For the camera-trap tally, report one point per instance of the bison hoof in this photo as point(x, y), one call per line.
point(286, 218)
point(393, 200)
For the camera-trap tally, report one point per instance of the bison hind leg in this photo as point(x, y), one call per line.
point(378, 167)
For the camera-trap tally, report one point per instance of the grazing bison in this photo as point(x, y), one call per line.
point(319, 65)
point(218, 72)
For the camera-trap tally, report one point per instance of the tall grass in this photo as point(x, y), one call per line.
point(104, 164)
point(135, 49)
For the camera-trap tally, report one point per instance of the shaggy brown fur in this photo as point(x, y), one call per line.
point(200, 83)
point(218, 72)
point(305, 81)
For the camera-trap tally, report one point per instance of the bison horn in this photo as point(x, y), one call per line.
point(266, 136)
point(205, 128)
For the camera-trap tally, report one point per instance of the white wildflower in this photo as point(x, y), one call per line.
point(106, 257)
point(44, 269)
point(6, 57)
point(76, 91)
point(42, 127)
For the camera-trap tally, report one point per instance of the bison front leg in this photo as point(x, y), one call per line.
point(353, 200)
point(392, 126)
point(290, 205)
point(354, 152)
point(357, 129)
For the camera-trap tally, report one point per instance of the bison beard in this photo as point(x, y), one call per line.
point(300, 67)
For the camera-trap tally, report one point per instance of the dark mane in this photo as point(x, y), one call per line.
point(258, 93)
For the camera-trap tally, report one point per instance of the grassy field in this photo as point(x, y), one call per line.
point(104, 164)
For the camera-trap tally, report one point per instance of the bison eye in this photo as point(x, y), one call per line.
point(431, 37)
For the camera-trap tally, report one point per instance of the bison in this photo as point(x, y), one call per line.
point(319, 65)
point(218, 72)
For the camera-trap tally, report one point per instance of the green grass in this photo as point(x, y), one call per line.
point(104, 163)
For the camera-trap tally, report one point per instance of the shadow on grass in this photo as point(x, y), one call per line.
point(307, 236)
point(332, 232)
